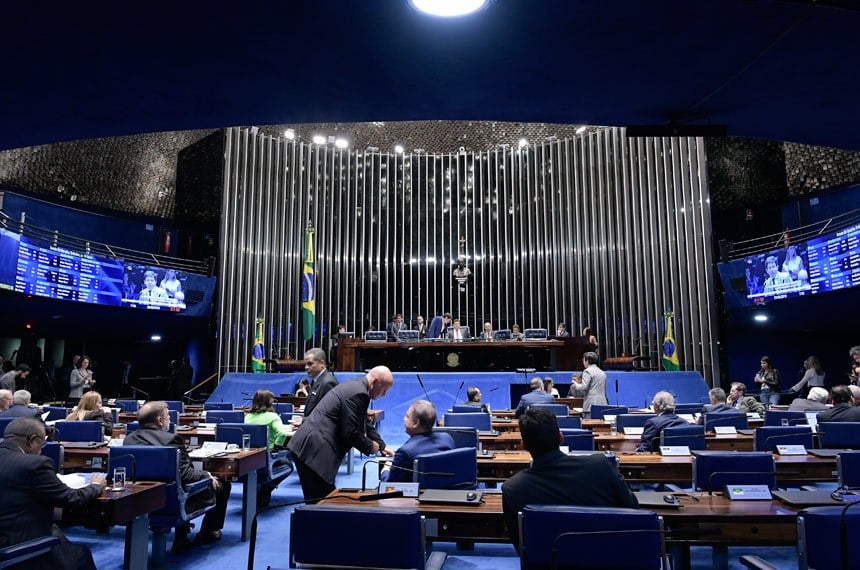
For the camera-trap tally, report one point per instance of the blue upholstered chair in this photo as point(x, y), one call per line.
point(55, 413)
point(89, 430)
point(128, 406)
point(768, 437)
point(479, 421)
point(461, 464)
point(462, 436)
point(696, 408)
point(463, 409)
point(600, 410)
point(775, 417)
point(691, 436)
point(278, 463)
point(23, 551)
point(54, 451)
point(713, 470)
point(557, 409)
point(227, 406)
point(632, 420)
point(175, 405)
point(826, 537)
point(219, 416)
point(725, 419)
point(578, 439)
point(839, 435)
point(554, 536)
point(282, 408)
point(3, 423)
point(848, 469)
point(157, 463)
point(313, 526)
point(569, 422)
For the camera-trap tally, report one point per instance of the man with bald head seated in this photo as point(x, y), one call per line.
point(154, 419)
point(31, 491)
point(338, 424)
point(664, 406)
point(843, 410)
point(418, 423)
point(20, 407)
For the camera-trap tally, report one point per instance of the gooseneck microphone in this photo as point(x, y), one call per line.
point(369, 461)
point(421, 383)
point(457, 395)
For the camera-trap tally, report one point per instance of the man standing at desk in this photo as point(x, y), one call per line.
point(592, 385)
point(418, 423)
point(31, 490)
point(338, 424)
point(438, 326)
point(558, 479)
point(322, 380)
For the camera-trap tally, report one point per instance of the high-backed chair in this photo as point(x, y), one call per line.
point(775, 417)
point(54, 413)
point(313, 526)
point(128, 406)
point(725, 419)
point(462, 436)
point(609, 538)
point(713, 470)
point(88, 430)
point(135, 425)
point(557, 409)
point(161, 463)
point(278, 463)
point(479, 420)
point(54, 451)
point(3, 423)
point(219, 416)
point(460, 468)
point(569, 422)
point(848, 469)
point(632, 420)
point(282, 408)
point(598, 411)
point(839, 435)
point(691, 436)
point(176, 405)
point(578, 439)
point(464, 409)
point(227, 406)
point(691, 408)
point(174, 416)
point(768, 437)
point(826, 537)
point(23, 551)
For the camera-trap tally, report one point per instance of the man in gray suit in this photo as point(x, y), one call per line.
point(337, 424)
point(592, 384)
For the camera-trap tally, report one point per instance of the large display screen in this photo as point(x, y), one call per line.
point(827, 263)
point(57, 273)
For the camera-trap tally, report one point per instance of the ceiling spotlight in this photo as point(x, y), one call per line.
point(341, 143)
point(155, 337)
point(523, 143)
point(372, 149)
point(290, 134)
point(419, 150)
point(398, 148)
point(760, 318)
point(255, 130)
point(581, 129)
point(319, 139)
point(448, 8)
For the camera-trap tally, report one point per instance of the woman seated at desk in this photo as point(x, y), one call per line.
point(90, 408)
point(262, 413)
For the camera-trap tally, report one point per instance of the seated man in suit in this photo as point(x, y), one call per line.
point(555, 478)
point(813, 402)
point(31, 490)
point(395, 326)
point(418, 422)
point(842, 410)
point(20, 407)
point(536, 396)
point(664, 406)
point(474, 399)
point(456, 332)
point(741, 402)
point(154, 421)
point(717, 405)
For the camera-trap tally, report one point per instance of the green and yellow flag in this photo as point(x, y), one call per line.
point(670, 351)
point(258, 353)
point(309, 290)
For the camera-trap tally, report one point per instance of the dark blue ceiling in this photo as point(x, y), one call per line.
point(767, 69)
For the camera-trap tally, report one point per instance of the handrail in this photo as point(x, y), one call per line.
point(186, 396)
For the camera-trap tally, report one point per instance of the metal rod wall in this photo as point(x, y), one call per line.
point(599, 230)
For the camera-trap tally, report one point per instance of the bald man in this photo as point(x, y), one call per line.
point(338, 424)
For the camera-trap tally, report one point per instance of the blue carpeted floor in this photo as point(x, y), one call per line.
point(274, 530)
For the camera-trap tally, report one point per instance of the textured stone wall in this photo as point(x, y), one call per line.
point(812, 168)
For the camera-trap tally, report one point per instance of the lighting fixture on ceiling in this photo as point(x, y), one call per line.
point(155, 337)
point(341, 143)
point(398, 148)
point(760, 318)
point(581, 129)
point(290, 134)
point(448, 8)
point(523, 143)
point(319, 139)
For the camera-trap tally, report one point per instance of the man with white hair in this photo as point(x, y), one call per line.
point(814, 401)
point(5, 400)
point(664, 406)
point(20, 407)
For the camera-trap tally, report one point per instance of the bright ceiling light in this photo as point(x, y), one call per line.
point(155, 337)
point(523, 143)
point(341, 143)
point(398, 148)
point(319, 139)
point(581, 129)
point(290, 134)
point(760, 318)
point(448, 8)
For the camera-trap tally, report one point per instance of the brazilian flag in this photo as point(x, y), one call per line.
point(309, 289)
point(670, 351)
point(258, 354)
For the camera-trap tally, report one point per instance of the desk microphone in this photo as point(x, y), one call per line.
point(369, 461)
point(616, 391)
point(133, 462)
point(421, 383)
point(457, 395)
point(724, 473)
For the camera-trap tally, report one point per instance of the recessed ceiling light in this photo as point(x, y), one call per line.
point(523, 142)
point(319, 139)
point(448, 8)
point(290, 134)
point(155, 337)
point(398, 148)
point(760, 318)
point(341, 143)
point(581, 129)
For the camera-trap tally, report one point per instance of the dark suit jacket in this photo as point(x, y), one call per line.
point(19, 411)
point(338, 423)
point(840, 413)
point(651, 434)
point(557, 479)
point(715, 409)
point(532, 398)
point(149, 436)
point(419, 444)
point(435, 328)
point(31, 490)
point(321, 386)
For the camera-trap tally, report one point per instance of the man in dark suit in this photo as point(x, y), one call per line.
point(395, 326)
point(418, 423)
point(31, 490)
point(20, 407)
point(536, 396)
point(322, 380)
point(664, 406)
point(842, 410)
point(439, 326)
point(717, 405)
point(338, 424)
point(154, 421)
point(555, 478)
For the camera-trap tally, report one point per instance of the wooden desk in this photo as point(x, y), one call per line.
point(196, 436)
point(242, 465)
point(621, 443)
point(85, 458)
point(130, 507)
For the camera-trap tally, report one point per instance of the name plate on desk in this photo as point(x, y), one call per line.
point(674, 450)
point(408, 489)
point(748, 492)
point(791, 449)
point(689, 418)
point(633, 430)
point(725, 430)
point(609, 419)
